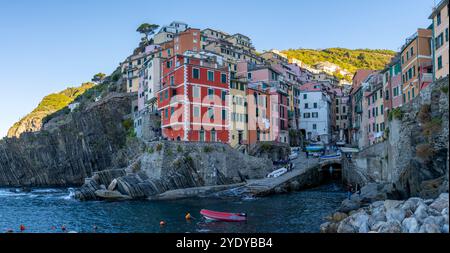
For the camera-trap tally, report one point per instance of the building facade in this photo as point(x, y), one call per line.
point(193, 99)
point(416, 62)
point(440, 39)
point(315, 109)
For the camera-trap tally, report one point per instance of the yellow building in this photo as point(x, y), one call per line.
point(239, 120)
point(440, 39)
point(130, 70)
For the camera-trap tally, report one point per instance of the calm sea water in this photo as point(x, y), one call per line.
point(47, 210)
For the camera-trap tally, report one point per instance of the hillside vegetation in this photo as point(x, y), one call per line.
point(347, 59)
point(49, 104)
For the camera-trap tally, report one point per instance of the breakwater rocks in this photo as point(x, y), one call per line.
point(165, 166)
point(414, 215)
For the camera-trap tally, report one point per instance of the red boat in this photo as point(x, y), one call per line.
point(220, 216)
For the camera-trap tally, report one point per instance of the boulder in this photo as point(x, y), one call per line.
point(329, 227)
point(111, 195)
point(390, 227)
point(377, 204)
point(428, 201)
point(395, 215)
point(445, 214)
point(445, 229)
point(112, 186)
point(337, 217)
point(376, 226)
point(348, 205)
point(429, 228)
point(410, 225)
point(436, 220)
point(361, 222)
point(411, 204)
point(345, 227)
point(390, 204)
point(440, 203)
point(421, 212)
point(376, 218)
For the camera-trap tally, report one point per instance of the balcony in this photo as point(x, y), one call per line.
point(426, 77)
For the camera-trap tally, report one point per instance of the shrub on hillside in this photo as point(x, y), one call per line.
point(207, 149)
point(424, 114)
point(424, 151)
point(395, 114)
point(432, 126)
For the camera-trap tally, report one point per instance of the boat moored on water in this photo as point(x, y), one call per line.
point(223, 216)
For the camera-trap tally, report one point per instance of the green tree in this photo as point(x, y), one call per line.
point(147, 29)
point(99, 77)
point(362, 57)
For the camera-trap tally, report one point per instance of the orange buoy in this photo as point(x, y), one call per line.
point(188, 216)
point(162, 223)
point(22, 228)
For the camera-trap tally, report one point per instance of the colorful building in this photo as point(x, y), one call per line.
point(239, 113)
point(341, 110)
point(375, 109)
point(193, 99)
point(315, 108)
point(258, 113)
point(440, 39)
point(168, 32)
point(416, 62)
point(357, 95)
point(188, 40)
point(395, 78)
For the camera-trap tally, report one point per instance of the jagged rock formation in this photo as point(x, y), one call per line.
point(166, 166)
point(49, 104)
point(63, 154)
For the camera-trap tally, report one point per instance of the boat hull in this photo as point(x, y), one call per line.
point(221, 216)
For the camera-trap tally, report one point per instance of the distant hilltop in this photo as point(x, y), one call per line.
point(341, 62)
point(49, 104)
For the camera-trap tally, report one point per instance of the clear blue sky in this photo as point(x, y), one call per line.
point(46, 46)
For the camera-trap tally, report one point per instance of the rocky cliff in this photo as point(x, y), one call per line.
point(49, 104)
point(70, 149)
point(414, 157)
point(417, 146)
point(165, 166)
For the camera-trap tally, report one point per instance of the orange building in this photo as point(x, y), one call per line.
point(187, 40)
point(416, 62)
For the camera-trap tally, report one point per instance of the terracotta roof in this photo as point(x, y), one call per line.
point(359, 77)
point(310, 87)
